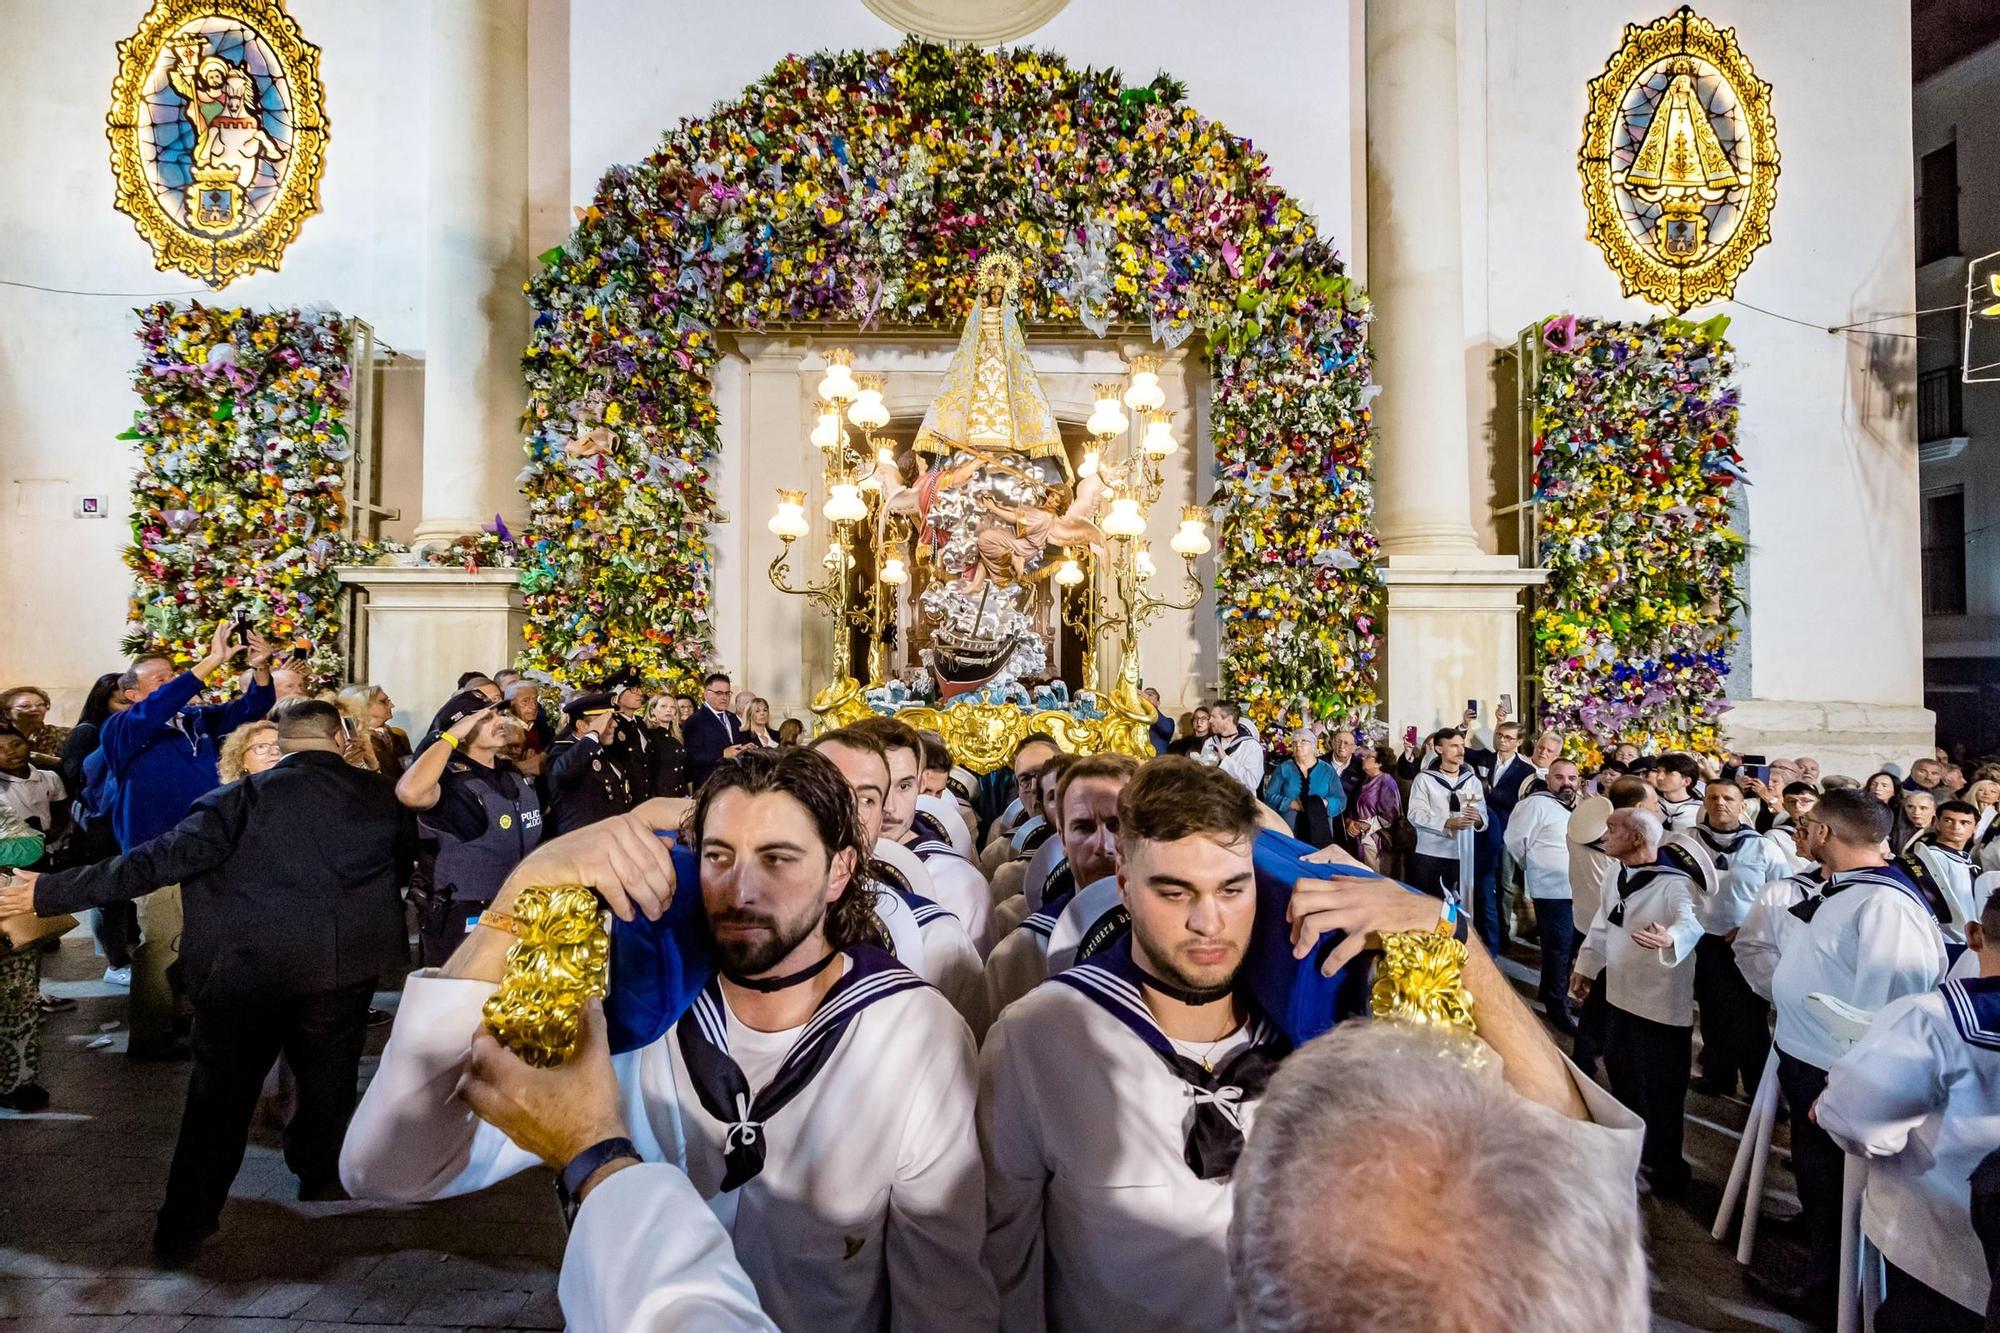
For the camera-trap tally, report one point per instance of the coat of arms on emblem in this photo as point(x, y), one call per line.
point(218, 131)
point(1679, 161)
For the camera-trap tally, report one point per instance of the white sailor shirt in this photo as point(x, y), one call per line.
point(1682, 814)
point(1590, 874)
point(839, 1230)
point(1430, 805)
point(1538, 839)
point(1954, 873)
point(1657, 984)
point(947, 880)
point(1919, 1096)
point(943, 954)
point(1870, 940)
point(1769, 925)
point(1240, 756)
point(646, 1254)
point(1093, 919)
point(1737, 865)
point(1041, 864)
point(944, 808)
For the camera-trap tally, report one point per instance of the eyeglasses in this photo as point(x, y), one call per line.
point(266, 747)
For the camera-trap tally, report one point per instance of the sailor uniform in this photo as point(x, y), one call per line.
point(1735, 1019)
point(1020, 962)
point(1954, 872)
point(1681, 814)
point(930, 941)
point(646, 1253)
point(1040, 866)
point(837, 1229)
point(1445, 862)
point(1649, 1022)
point(940, 874)
point(1765, 931)
point(1920, 1097)
point(1090, 923)
point(1240, 756)
point(1872, 936)
point(1109, 1149)
point(1591, 873)
point(1537, 837)
point(944, 808)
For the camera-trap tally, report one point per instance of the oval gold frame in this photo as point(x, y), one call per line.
point(211, 260)
point(1641, 273)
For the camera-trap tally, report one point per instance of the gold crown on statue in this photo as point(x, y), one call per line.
point(1001, 268)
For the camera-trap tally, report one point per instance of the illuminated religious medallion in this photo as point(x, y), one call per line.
point(218, 130)
point(1679, 161)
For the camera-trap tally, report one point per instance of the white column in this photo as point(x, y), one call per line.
point(1423, 490)
point(475, 260)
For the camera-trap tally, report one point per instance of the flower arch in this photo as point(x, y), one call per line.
point(861, 187)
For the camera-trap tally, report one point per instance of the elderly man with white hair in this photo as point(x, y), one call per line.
point(1477, 1214)
point(1643, 940)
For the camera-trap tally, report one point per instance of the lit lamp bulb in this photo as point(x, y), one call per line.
point(885, 457)
point(1109, 418)
point(1088, 466)
point(1144, 393)
point(1069, 573)
point(790, 520)
point(867, 410)
point(894, 572)
point(844, 504)
point(1125, 520)
point(837, 385)
point(1192, 539)
point(1159, 441)
point(1142, 560)
point(826, 434)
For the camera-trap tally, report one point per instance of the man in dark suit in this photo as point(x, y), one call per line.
point(714, 734)
point(289, 893)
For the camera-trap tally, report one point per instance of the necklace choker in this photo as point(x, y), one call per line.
point(1186, 996)
point(768, 984)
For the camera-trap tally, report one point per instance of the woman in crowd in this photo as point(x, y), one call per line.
point(370, 708)
point(791, 732)
point(1306, 793)
point(760, 724)
point(1191, 733)
point(669, 756)
point(26, 708)
point(1884, 787)
point(251, 748)
point(1377, 807)
point(534, 736)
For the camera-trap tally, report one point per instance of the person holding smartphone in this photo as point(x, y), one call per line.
point(477, 817)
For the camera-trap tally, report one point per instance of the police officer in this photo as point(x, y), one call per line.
point(478, 816)
point(587, 775)
point(630, 743)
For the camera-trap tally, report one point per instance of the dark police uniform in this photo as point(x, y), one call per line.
point(588, 780)
point(485, 823)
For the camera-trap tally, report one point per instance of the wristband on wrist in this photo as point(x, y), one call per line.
point(571, 1179)
point(448, 739)
point(1452, 921)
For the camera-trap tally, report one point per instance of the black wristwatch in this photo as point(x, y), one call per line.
point(569, 1180)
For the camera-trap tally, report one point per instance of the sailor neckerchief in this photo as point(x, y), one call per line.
point(1214, 1137)
point(725, 1093)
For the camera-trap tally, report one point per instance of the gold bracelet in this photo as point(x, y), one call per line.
point(501, 921)
point(561, 957)
point(1420, 979)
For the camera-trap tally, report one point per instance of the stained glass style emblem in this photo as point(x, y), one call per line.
point(1679, 161)
point(218, 134)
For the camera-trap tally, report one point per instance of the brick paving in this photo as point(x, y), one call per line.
point(83, 1178)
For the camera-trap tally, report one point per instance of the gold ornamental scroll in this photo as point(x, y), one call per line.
point(561, 957)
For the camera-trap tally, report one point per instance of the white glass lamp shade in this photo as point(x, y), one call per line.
point(837, 385)
point(1159, 441)
point(1124, 520)
point(826, 433)
point(790, 520)
point(1087, 467)
point(894, 573)
point(867, 410)
point(1142, 560)
point(1192, 539)
point(1143, 393)
point(844, 503)
point(1108, 419)
point(1069, 573)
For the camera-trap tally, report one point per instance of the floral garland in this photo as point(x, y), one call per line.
point(1635, 458)
point(236, 506)
point(863, 187)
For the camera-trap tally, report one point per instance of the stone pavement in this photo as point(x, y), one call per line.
point(82, 1179)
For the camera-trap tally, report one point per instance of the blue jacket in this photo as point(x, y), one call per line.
point(1162, 733)
point(161, 754)
point(1285, 783)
